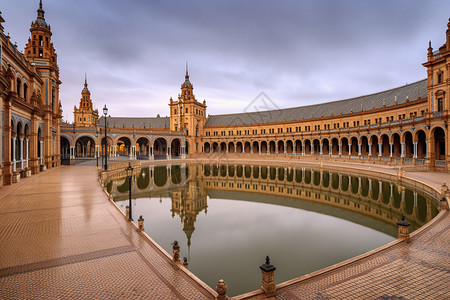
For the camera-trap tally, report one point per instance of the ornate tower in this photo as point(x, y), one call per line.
point(187, 114)
point(85, 116)
point(40, 52)
point(438, 71)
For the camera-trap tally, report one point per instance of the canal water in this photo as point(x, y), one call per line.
point(228, 218)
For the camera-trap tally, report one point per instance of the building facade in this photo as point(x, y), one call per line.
point(404, 126)
point(29, 100)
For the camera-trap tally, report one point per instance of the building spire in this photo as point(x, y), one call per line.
point(85, 79)
point(187, 73)
point(40, 11)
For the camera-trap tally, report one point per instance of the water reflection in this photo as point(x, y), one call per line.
point(250, 215)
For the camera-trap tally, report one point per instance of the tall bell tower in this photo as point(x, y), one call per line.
point(85, 116)
point(187, 114)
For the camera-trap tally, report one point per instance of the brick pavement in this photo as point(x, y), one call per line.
point(62, 239)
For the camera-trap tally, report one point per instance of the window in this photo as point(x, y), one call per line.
point(186, 110)
point(19, 85)
point(41, 42)
point(440, 104)
point(175, 111)
point(440, 78)
point(41, 53)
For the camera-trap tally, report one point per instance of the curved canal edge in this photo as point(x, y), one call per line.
point(349, 269)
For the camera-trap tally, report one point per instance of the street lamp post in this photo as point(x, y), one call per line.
point(129, 170)
point(105, 112)
point(96, 148)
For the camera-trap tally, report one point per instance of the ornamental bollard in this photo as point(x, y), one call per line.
point(221, 289)
point(127, 211)
point(444, 190)
point(444, 204)
point(141, 223)
point(176, 252)
point(268, 284)
point(403, 229)
point(185, 262)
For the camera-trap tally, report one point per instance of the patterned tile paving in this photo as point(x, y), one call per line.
point(61, 239)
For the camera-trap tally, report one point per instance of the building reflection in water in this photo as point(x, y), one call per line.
point(371, 202)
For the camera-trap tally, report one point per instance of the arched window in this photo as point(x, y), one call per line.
point(25, 91)
point(19, 85)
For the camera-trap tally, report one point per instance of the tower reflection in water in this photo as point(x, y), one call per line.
point(336, 216)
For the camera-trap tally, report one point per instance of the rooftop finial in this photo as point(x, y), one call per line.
point(40, 11)
point(187, 73)
point(85, 78)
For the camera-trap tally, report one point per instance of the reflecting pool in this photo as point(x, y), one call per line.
point(227, 218)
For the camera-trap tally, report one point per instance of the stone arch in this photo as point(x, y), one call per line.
point(215, 147)
point(280, 147)
point(396, 147)
point(206, 148)
point(374, 145)
point(175, 147)
point(421, 139)
point(384, 139)
point(264, 147)
point(325, 146)
point(160, 148)
point(289, 147)
point(231, 147)
point(272, 147)
point(247, 147)
point(223, 147)
point(334, 146)
point(345, 146)
point(239, 147)
point(142, 147)
point(364, 141)
point(409, 145)
point(85, 146)
point(308, 147)
point(65, 148)
point(438, 138)
point(255, 146)
point(298, 146)
point(316, 146)
point(353, 145)
point(123, 144)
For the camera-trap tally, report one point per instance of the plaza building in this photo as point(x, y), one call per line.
point(29, 100)
point(403, 126)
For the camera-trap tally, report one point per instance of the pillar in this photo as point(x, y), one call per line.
point(13, 158)
point(403, 229)
point(391, 149)
point(221, 289)
point(380, 149)
point(321, 149)
point(370, 149)
point(402, 149)
point(21, 152)
point(27, 141)
point(415, 149)
point(359, 149)
point(268, 282)
point(340, 149)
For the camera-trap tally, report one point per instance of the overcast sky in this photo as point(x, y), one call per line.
point(296, 52)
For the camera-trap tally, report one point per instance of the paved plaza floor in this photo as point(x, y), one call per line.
point(60, 238)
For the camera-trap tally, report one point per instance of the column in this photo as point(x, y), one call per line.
point(27, 141)
point(350, 149)
point(426, 146)
point(41, 144)
point(359, 149)
point(321, 149)
point(402, 149)
point(340, 149)
point(293, 149)
point(330, 149)
point(312, 148)
point(391, 149)
point(370, 149)
point(169, 154)
point(303, 149)
point(13, 158)
point(151, 156)
point(21, 152)
point(72, 151)
point(380, 149)
point(415, 149)
point(285, 148)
